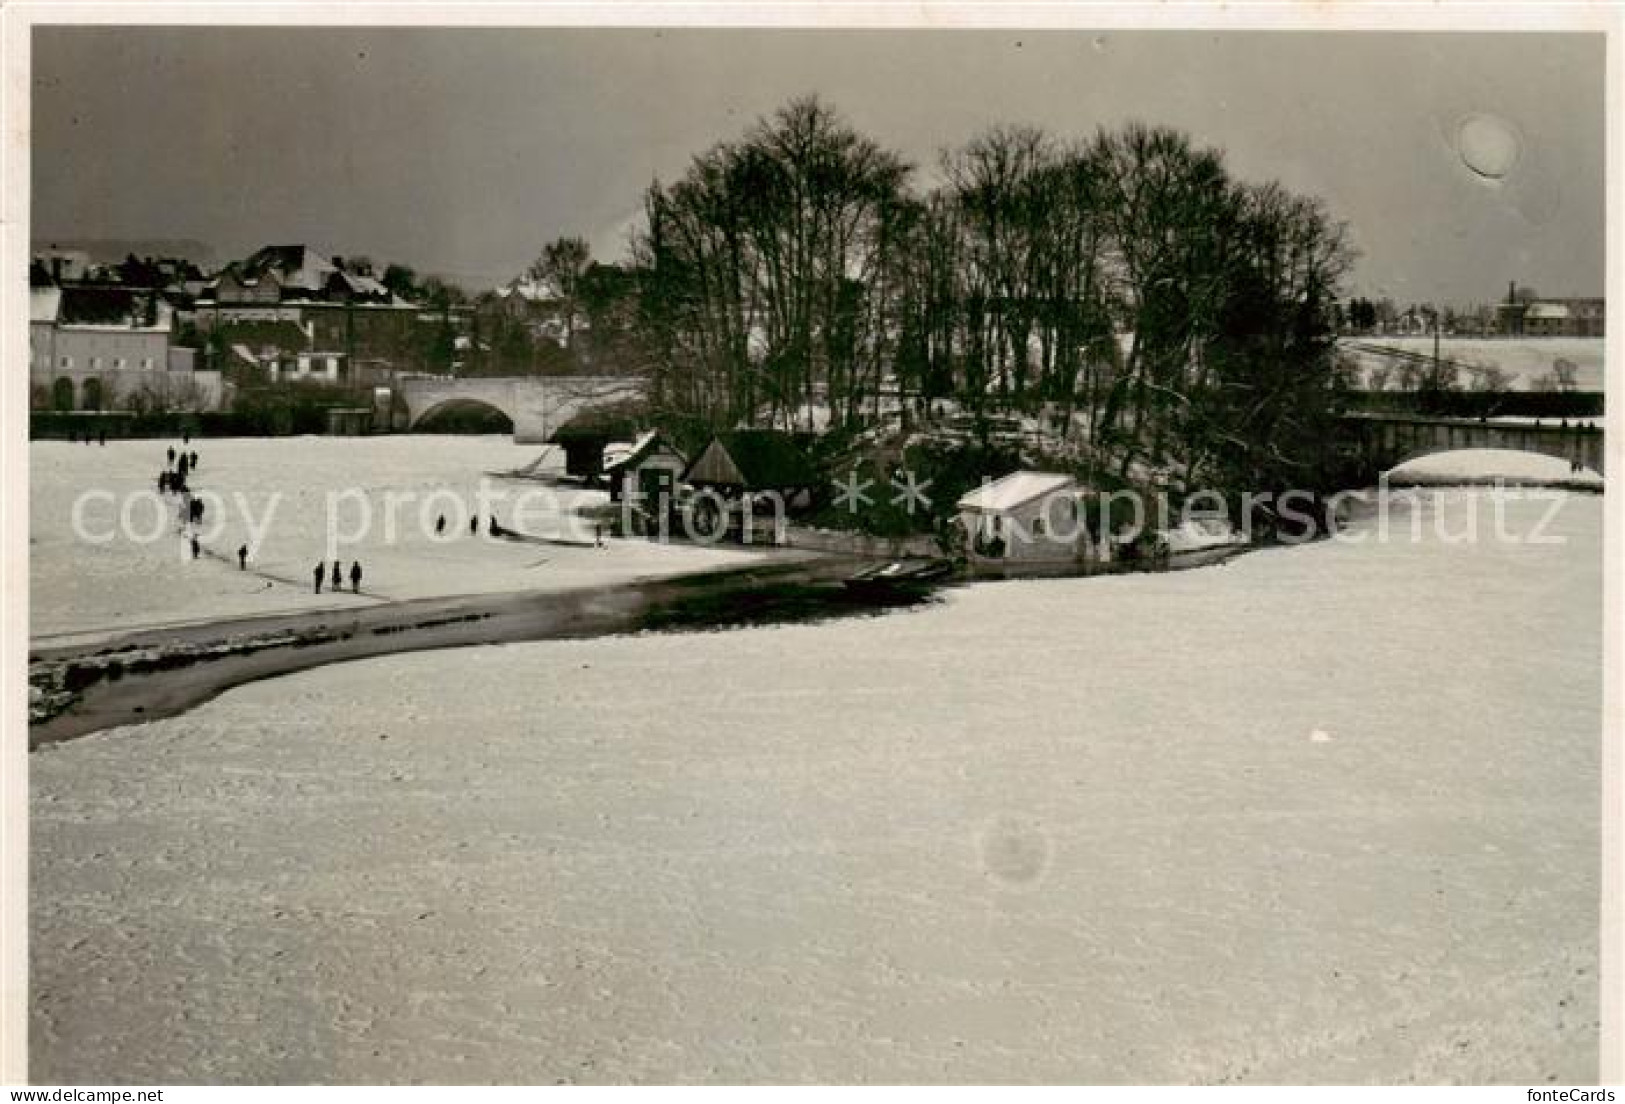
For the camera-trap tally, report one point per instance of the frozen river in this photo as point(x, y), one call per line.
point(106, 553)
point(1323, 814)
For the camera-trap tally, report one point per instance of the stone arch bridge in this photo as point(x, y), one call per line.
point(536, 405)
point(1383, 441)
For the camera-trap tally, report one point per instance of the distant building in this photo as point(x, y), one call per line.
point(64, 264)
point(1551, 317)
point(304, 315)
point(105, 347)
point(1565, 318)
point(535, 305)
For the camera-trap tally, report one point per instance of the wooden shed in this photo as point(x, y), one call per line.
point(1026, 520)
point(585, 436)
point(744, 483)
point(651, 468)
point(750, 461)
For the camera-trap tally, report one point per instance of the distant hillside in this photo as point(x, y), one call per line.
point(113, 250)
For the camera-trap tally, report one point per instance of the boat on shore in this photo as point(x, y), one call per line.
point(900, 578)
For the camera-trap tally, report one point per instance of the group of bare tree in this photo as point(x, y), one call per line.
point(1163, 316)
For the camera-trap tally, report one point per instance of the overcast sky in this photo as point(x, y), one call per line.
point(462, 151)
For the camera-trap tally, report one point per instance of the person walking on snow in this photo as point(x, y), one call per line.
point(172, 454)
point(242, 558)
point(320, 573)
point(196, 549)
point(338, 577)
point(355, 576)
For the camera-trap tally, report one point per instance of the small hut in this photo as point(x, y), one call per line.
point(752, 477)
point(1026, 520)
point(651, 468)
point(585, 436)
point(753, 461)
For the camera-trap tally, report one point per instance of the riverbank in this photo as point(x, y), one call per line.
point(153, 673)
point(80, 686)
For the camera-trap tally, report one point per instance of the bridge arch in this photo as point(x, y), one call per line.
point(460, 406)
point(535, 405)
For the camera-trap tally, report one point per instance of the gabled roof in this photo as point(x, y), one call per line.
point(1014, 491)
point(303, 273)
point(532, 291)
point(752, 459)
point(643, 448)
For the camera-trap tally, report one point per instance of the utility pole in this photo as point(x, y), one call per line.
point(1436, 374)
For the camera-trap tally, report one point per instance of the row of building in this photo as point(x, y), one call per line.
point(285, 313)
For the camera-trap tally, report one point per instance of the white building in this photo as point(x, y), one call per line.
point(106, 347)
point(1026, 520)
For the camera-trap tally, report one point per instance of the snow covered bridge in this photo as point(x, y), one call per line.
point(536, 405)
point(1383, 441)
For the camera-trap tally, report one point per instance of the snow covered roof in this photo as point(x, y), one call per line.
point(1547, 310)
point(1014, 491)
point(641, 449)
point(301, 273)
point(101, 307)
point(533, 291)
point(43, 303)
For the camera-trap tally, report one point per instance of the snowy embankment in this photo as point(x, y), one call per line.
point(1322, 814)
point(1490, 465)
point(380, 498)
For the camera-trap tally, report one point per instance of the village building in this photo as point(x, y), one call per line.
point(288, 305)
point(537, 306)
point(1027, 521)
point(1573, 317)
point(107, 347)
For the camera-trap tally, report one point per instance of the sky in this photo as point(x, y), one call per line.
point(463, 151)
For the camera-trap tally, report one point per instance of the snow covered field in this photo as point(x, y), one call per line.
point(286, 489)
point(1524, 359)
point(1323, 814)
